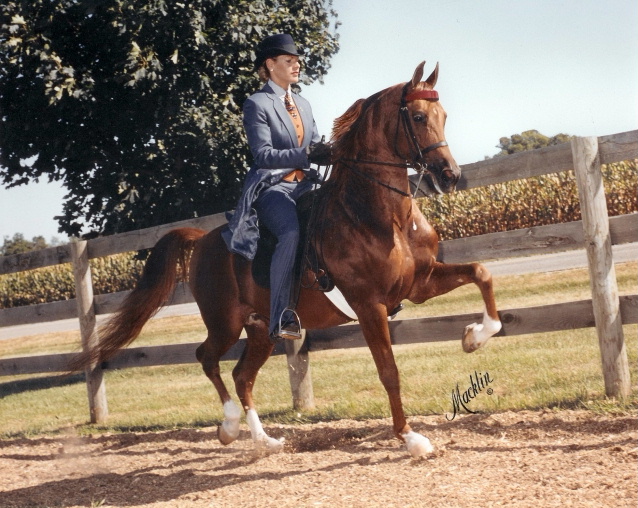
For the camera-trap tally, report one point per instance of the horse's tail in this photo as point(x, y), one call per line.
point(152, 292)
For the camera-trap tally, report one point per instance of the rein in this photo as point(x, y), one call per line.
point(372, 178)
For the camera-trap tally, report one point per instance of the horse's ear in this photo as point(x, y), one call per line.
point(418, 74)
point(434, 76)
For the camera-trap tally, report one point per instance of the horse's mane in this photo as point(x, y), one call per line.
point(345, 121)
point(353, 122)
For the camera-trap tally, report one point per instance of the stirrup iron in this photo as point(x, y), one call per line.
point(290, 334)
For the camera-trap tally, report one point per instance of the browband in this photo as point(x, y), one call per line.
point(430, 95)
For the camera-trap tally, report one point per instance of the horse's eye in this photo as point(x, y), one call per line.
point(419, 118)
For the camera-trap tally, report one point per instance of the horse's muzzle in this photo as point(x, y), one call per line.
point(446, 174)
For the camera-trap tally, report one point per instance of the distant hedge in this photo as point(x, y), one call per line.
point(519, 204)
point(52, 283)
point(548, 199)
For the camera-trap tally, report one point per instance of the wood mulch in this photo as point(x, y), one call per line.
point(514, 459)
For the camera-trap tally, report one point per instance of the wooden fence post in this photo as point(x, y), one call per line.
point(299, 373)
point(602, 273)
point(86, 314)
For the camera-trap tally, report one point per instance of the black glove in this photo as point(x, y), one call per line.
point(320, 154)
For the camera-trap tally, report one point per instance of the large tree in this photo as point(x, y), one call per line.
point(135, 105)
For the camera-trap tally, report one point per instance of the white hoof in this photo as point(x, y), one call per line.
point(476, 335)
point(418, 445)
point(262, 440)
point(228, 431)
point(270, 444)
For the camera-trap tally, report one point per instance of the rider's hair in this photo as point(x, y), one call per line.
point(263, 73)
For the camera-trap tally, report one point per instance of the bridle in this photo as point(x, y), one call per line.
point(417, 153)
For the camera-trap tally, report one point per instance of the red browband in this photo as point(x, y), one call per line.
point(430, 95)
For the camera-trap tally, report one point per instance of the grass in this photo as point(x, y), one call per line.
point(550, 370)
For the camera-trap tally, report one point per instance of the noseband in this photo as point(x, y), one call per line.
point(416, 152)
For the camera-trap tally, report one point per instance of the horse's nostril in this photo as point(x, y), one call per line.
point(449, 176)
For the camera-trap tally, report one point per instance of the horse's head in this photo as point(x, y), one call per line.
point(402, 125)
point(420, 133)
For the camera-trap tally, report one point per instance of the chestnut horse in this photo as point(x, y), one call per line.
point(377, 247)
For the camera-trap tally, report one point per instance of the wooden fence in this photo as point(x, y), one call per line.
point(596, 233)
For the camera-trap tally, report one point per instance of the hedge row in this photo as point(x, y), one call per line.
point(114, 273)
point(519, 204)
point(548, 199)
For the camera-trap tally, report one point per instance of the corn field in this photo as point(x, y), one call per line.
point(548, 199)
point(519, 204)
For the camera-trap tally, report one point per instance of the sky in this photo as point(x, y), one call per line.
point(506, 66)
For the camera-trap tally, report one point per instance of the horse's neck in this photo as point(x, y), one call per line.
point(374, 201)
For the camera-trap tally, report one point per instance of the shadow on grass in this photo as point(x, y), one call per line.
point(39, 383)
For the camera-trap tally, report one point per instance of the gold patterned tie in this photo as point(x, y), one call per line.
point(290, 106)
point(296, 120)
point(296, 175)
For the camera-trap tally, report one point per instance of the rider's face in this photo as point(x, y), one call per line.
point(284, 70)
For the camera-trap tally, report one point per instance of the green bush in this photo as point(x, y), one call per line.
point(53, 283)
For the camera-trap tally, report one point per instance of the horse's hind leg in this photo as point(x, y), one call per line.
point(224, 319)
point(446, 277)
point(213, 284)
point(257, 351)
point(209, 354)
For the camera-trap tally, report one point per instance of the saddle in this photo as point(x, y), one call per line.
point(307, 272)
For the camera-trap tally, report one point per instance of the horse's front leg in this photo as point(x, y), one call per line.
point(445, 278)
point(377, 334)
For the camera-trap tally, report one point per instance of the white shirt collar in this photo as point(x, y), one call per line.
point(277, 89)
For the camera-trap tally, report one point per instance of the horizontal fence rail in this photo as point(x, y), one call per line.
point(521, 321)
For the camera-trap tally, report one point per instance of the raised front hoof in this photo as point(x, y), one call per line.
point(469, 341)
point(476, 335)
point(418, 445)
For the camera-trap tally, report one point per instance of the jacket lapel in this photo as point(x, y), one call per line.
point(280, 109)
point(306, 119)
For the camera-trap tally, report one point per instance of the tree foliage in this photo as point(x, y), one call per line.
point(19, 244)
point(528, 140)
point(136, 105)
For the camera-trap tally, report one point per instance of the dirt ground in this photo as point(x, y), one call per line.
point(514, 459)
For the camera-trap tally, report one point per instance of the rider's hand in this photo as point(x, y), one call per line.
point(320, 153)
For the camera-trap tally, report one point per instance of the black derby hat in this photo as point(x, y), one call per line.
point(275, 45)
